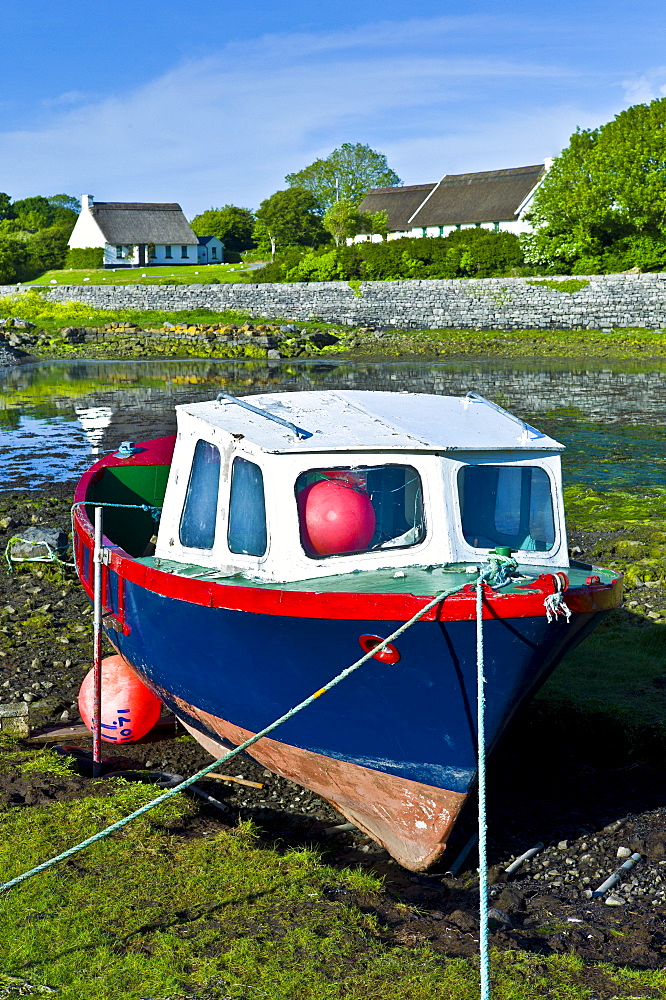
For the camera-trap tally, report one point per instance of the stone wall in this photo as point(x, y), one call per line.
point(614, 300)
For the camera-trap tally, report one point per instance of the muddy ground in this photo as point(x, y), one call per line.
point(576, 786)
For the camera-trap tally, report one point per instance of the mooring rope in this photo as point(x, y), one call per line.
point(486, 574)
point(232, 753)
point(481, 791)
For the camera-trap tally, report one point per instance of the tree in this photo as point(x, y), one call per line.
point(289, 218)
point(347, 173)
point(6, 211)
point(66, 201)
point(607, 185)
point(343, 220)
point(37, 212)
point(232, 225)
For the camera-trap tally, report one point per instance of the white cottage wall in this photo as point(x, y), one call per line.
point(86, 232)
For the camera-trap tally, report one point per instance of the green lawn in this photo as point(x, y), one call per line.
point(148, 914)
point(201, 274)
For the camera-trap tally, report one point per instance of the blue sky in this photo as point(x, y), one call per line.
point(213, 103)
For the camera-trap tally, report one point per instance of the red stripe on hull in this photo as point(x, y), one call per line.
point(411, 820)
point(310, 604)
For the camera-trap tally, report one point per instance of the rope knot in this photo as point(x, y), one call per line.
point(497, 571)
point(554, 603)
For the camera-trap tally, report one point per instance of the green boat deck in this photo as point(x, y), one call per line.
point(419, 581)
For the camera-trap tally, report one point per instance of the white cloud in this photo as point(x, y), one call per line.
point(229, 127)
point(645, 88)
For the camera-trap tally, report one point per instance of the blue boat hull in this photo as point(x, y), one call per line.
point(229, 673)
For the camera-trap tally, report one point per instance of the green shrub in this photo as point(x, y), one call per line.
point(277, 269)
point(570, 285)
point(85, 258)
point(467, 253)
point(329, 264)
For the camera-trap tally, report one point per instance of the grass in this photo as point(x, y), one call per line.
point(154, 915)
point(569, 285)
point(195, 274)
point(53, 316)
point(632, 344)
point(611, 675)
point(147, 914)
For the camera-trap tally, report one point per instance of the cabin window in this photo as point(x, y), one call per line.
point(183, 251)
point(120, 253)
point(167, 252)
point(366, 508)
point(247, 510)
point(213, 252)
point(506, 505)
point(197, 523)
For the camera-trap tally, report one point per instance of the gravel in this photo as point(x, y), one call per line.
point(580, 797)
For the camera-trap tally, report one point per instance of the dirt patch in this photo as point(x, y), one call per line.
point(571, 782)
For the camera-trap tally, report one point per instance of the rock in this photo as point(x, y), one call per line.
point(498, 918)
point(6, 523)
point(510, 900)
point(38, 543)
point(14, 719)
point(613, 900)
point(623, 852)
point(463, 921)
point(287, 328)
point(320, 339)
point(73, 334)
point(273, 355)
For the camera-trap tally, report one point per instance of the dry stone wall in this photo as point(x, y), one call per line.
point(608, 301)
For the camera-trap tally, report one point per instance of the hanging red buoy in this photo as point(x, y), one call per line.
point(129, 708)
point(336, 517)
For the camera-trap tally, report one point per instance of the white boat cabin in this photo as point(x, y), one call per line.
point(293, 486)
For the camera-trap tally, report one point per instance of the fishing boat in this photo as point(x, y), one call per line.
point(276, 538)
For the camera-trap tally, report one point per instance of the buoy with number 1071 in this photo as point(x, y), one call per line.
point(129, 708)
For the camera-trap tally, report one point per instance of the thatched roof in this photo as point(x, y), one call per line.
point(138, 222)
point(399, 203)
point(488, 196)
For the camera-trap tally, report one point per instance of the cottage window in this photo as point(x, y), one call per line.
point(247, 509)
point(167, 253)
point(197, 523)
point(346, 510)
point(213, 252)
point(183, 251)
point(506, 505)
point(496, 226)
point(120, 253)
point(152, 252)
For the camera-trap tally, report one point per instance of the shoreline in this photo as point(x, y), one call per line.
point(258, 341)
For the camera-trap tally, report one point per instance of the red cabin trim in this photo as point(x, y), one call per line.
point(591, 597)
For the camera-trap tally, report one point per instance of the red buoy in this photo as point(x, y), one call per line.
point(336, 517)
point(129, 708)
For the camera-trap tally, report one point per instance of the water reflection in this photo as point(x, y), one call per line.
point(55, 415)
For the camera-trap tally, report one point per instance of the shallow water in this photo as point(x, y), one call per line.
point(55, 415)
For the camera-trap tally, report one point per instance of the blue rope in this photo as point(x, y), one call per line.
point(232, 753)
point(497, 574)
point(154, 511)
point(483, 827)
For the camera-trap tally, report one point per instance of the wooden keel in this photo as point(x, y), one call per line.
point(411, 820)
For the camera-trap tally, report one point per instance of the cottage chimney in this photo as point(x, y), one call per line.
point(86, 201)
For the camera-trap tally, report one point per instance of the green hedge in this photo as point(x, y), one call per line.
point(85, 258)
point(466, 253)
